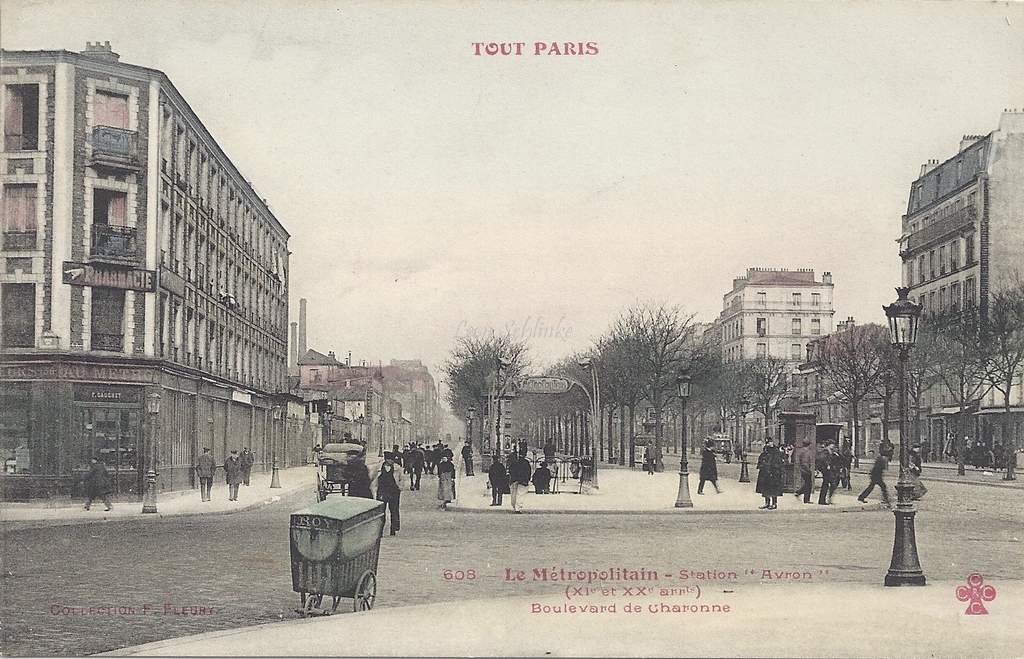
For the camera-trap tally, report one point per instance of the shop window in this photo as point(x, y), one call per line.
point(107, 319)
point(110, 110)
point(21, 118)
point(112, 437)
point(15, 427)
point(19, 315)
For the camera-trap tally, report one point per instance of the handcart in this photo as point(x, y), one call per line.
point(335, 546)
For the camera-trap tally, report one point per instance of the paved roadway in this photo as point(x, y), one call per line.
point(237, 565)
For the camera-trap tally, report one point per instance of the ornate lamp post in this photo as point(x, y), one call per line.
point(595, 416)
point(905, 568)
point(470, 416)
point(152, 410)
point(275, 478)
point(380, 448)
point(683, 497)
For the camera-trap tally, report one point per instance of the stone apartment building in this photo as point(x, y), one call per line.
point(135, 259)
point(962, 239)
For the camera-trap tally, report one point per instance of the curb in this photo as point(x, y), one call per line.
point(962, 481)
point(674, 511)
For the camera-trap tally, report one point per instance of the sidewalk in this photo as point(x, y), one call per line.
point(777, 620)
point(169, 504)
point(624, 491)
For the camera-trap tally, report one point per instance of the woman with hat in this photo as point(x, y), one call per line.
point(708, 468)
point(769, 475)
point(445, 481)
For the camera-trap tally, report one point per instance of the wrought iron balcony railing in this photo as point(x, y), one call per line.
point(112, 242)
point(115, 148)
point(19, 240)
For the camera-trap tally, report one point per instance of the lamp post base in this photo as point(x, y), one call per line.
point(905, 568)
point(744, 474)
point(149, 501)
point(275, 480)
point(683, 496)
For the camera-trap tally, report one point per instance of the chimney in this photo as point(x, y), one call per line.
point(302, 326)
point(293, 354)
point(348, 360)
point(826, 277)
point(100, 51)
point(330, 353)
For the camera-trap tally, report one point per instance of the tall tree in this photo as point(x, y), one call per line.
point(851, 361)
point(1003, 346)
point(769, 382)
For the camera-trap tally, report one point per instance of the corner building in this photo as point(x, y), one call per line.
point(135, 259)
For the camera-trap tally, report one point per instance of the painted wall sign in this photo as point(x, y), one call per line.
point(107, 393)
point(130, 279)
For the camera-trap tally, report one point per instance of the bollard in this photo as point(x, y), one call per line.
point(744, 474)
point(149, 499)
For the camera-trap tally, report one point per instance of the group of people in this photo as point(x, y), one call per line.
point(515, 480)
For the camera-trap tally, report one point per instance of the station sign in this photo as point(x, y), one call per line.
point(543, 384)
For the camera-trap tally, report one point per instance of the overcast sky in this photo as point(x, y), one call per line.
point(429, 191)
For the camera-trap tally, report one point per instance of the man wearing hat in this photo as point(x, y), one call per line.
point(233, 474)
point(204, 470)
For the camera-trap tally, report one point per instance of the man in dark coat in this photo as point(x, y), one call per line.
point(769, 474)
point(519, 473)
point(389, 490)
point(542, 479)
point(829, 466)
point(708, 469)
point(805, 463)
point(97, 484)
point(394, 455)
point(416, 462)
point(248, 460)
point(498, 478)
point(877, 469)
point(205, 467)
point(467, 457)
point(233, 474)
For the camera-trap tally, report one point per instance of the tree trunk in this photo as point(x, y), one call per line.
point(961, 454)
point(611, 434)
point(659, 432)
point(1009, 443)
point(632, 434)
point(855, 434)
point(600, 435)
point(622, 435)
point(885, 419)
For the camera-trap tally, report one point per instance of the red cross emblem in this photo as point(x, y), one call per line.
point(976, 594)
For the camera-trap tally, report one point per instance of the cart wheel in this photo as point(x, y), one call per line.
point(366, 592)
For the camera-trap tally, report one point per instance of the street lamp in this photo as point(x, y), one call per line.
point(470, 416)
point(595, 416)
point(905, 568)
point(380, 448)
point(152, 409)
point(275, 479)
point(683, 496)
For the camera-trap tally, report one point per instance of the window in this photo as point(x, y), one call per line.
point(969, 292)
point(796, 351)
point(762, 299)
point(762, 326)
point(108, 207)
point(815, 326)
point(969, 250)
point(796, 299)
point(19, 315)
point(954, 255)
point(108, 319)
point(932, 264)
point(21, 118)
point(954, 296)
point(920, 270)
point(797, 326)
point(762, 349)
point(19, 208)
point(110, 110)
point(908, 273)
point(931, 302)
point(942, 260)
point(815, 299)
point(943, 299)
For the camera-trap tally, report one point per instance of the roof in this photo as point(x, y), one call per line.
point(354, 393)
point(314, 358)
point(784, 277)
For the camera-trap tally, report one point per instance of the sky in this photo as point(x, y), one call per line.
point(431, 192)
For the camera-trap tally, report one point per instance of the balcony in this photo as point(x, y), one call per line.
point(115, 148)
point(112, 243)
point(19, 240)
point(939, 229)
point(108, 342)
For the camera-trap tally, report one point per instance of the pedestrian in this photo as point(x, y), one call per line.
point(389, 490)
point(445, 481)
point(97, 484)
point(916, 464)
point(708, 468)
point(649, 460)
point(549, 451)
point(887, 448)
point(318, 451)
point(417, 459)
point(248, 460)
point(519, 473)
point(769, 474)
point(356, 475)
point(233, 474)
point(542, 479)
point(829, 468)
point(395, 455)
point(1011, 463)
point(205, 468)
point(805, 461)
point(467, 457)
point(877, 470)
point(847, 464)
point(498, 478)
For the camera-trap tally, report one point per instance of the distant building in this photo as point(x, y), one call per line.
point(775, 312)
point(135, 259)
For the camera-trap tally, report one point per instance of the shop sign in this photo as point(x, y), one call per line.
point(172, 282)
point(241, 397)
point(544, 385)
point(107, 393)
point(62, 371)
point(88, 274)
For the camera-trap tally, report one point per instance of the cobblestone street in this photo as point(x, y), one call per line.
point(188, 575)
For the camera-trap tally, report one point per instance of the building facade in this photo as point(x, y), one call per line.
point(136, 259)
point(775, 312)
point(962, 238)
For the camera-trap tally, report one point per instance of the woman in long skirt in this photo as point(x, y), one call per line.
point(445, 482)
